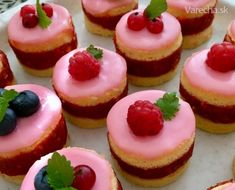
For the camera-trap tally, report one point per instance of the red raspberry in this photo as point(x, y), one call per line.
point(155, 26)
point(83, 66)
point(144, 118)
point(136, 21)
point(27, 9)
point(221, 57)
point(48, 9)
point(30, 20)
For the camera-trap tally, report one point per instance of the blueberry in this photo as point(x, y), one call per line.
point(25, 104)
point(8, 124)
point(41, 180)
point(1, 91)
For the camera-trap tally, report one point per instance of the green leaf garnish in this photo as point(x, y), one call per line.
point(156, 8)
point(60, 172)
point(7, 96)
point(44, 20)
point(95, 52)
point(169, 105)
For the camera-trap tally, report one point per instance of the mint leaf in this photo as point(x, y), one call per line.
point(60, 172)
point(95, 52)
point(3, 108)
point(66, 188)
point(9, 95)
point(169, 105)
point(44, 20)
point(156, 8)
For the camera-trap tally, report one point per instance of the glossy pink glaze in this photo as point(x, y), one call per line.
point(145, 40)
point(230, 187)
point(182, 4)
point(30, 129)
point(232, 29)
point(102, 6)
point(203, 77)
point(60, 22)
point(174, 132)
point(77, 156)
point(112, 72)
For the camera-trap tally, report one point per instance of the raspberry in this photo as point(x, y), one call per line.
point(27, 9)
point(136, 21)
point(48, 9)
point(155, 26)
point(221, 57)
point(144, 118)
point(83, 66)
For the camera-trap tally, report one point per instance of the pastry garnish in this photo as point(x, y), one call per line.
point(221, 57)
point(44, 20)
point(155, 8)
point(169, 105)
point(95, 52)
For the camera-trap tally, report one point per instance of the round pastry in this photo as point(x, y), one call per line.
point(230, 36)
point(87, 86)
point(151, 46)
point(33, 125)
point(39, 42)
point(100, 176)
point(196, 18)
point(101, 17)
point(6, 75)
point(225, 185)
point(151, 143)
point(207, 84)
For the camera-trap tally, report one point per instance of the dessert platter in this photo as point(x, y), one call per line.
point(150, 66)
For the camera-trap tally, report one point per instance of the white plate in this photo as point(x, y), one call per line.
point(213, 154)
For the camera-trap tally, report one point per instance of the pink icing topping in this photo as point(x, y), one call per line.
point(181, 4)
point(102, 6)
point(232, 29)
point(145, 40)
point(77, 156)
point(174, 132)
point(113, 70)
point(231, 187)
point(60, 22)
point(202, 76)
point(30, 129)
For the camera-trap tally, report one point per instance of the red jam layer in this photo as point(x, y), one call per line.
point(20, 163)
point(154, 173)
point(98, 111)
point(217, 114)
point(45, 59)
point(6, 75)
point(150, 68)
point(119, 185)
point(220, 184)
point(192, 26)
point(107, 22)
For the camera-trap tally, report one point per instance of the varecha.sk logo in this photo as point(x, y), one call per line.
point(194, 10)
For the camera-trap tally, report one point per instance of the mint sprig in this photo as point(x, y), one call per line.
point(60, 172)
point(44, 20)
point(156, 8)
point(95, 52)
point(169, 105)
point(7, 96)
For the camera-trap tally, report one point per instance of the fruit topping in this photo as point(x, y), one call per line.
point(8, 123)
point(144, 118)
point(48, 9)
point(41, 180)
point(84, 177)
point(27, 9)
point(155, 25)
point(25, 104)
point(221, 57)
point(136, 21)
point(44, 20)
point(84, 65)
point(30, 20)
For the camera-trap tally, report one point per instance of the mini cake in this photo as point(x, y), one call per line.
point(151, 144)
point(89, 82)
point(225, 185)
point(150, 45)
point(196, 18)
point(102, 16)
point(40, 35)
point(6, 75)
point(208, 83)
point(32, 126)
point(85, 170)
point(230, 36)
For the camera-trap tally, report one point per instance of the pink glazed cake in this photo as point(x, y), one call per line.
point(37, 48)
point(230, 36)
point(152, 160)
point(105, 176)
point(86, 103)
point(34, 136)
point(101, 17)
point(226, 185)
